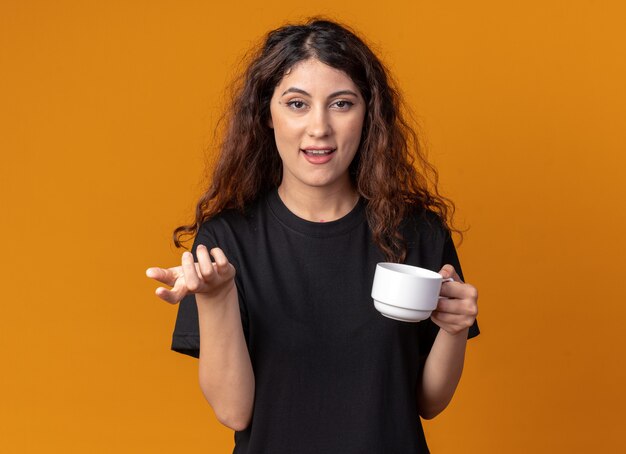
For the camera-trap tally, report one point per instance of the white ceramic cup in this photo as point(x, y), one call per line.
point(404, 292)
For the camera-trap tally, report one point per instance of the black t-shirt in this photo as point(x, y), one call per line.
point(332, 375)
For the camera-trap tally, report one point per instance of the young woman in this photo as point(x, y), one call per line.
point(316, 183)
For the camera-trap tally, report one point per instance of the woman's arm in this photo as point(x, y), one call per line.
point(441, 373)
point(455, 313)
point(224, 370)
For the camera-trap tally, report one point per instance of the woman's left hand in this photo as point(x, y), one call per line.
point(458, 306)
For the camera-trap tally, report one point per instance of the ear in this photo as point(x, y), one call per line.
point(270, 123)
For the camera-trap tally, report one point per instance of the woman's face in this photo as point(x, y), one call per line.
point(317, 115)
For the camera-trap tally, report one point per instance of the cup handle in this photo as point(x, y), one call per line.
point(448, 279)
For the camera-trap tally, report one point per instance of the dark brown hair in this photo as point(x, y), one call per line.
point(389, 170)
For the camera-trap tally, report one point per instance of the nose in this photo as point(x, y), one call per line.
point(319, 123)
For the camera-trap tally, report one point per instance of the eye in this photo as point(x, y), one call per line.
point(296, 104)
point(342, 104)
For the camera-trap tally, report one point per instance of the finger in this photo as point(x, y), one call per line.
point(167, 295)
point(451, 324)
point(166, 276)
point(205, 267)
point(463, 307)
point(448, 271)
point(221, 262)
point(447, 318)
point(451, 306)
point(459, 290)
point(192, 280)
point(179, 290)
point(452, 290)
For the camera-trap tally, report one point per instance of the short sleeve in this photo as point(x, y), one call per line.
point(186, 336)
point(428, 329)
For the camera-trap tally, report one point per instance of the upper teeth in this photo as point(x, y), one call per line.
point(318, 151)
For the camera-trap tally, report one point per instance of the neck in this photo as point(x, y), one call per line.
point(319, 204)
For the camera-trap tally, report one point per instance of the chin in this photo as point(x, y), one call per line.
point(321, 183)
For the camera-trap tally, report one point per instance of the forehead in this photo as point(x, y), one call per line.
point(312, 73)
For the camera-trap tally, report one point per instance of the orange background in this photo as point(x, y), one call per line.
point(106, 108)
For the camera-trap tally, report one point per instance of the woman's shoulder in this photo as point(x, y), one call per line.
point(426, 237)
point(424, 220)
point(233, 217)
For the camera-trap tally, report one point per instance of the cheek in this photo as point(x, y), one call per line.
point(287, 128)
point(286, 136)
point(354, 129)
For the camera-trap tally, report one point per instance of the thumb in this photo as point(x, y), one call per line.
point(167, 277)
point(447, 271)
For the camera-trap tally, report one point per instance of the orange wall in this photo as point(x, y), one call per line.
point(105, 108)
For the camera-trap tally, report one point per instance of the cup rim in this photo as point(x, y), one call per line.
point(409, 270)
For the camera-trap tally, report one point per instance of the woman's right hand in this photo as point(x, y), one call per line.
point(213, 279)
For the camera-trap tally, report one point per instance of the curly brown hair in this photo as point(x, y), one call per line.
point(390, 171)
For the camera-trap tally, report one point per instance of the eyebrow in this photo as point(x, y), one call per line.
point(332, 95)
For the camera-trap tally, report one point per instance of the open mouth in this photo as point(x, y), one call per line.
point(319, 152)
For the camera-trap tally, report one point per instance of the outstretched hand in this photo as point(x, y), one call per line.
point(214, 279)
point(458, 303)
